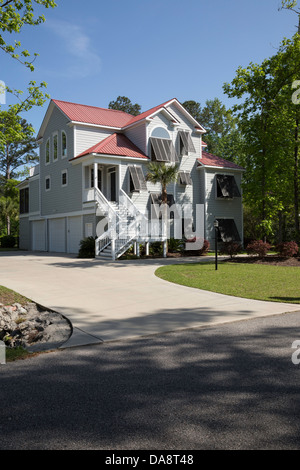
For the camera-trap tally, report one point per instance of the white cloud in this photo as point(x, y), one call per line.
point(80, 58)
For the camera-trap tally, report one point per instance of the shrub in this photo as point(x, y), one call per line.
point(8, 241)
point(175, 245)
point(87, 248)
point(258, 247)
point(231, 248)
point(202, 251)
point(287, 249)
point(156, 249)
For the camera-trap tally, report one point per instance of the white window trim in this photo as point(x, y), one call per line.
point(55, 134)
point(61, 180)
point(48, 177)
point(62, 155)
point(48, 141)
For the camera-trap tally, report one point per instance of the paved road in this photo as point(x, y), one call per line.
point(125, 299)
point(230, 386)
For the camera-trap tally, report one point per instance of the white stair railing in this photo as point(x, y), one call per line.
point(126, 222)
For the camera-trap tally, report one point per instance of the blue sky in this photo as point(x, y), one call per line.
point(151, 51)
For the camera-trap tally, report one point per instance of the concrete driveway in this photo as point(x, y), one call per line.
point(115, 300)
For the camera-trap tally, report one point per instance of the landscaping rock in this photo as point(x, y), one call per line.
point(32, 327)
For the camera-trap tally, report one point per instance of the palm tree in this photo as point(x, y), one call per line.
point(163, 174)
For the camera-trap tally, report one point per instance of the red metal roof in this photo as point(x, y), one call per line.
point(115, 144)
point(94, 115)
point(145, 114)
point(208, 159)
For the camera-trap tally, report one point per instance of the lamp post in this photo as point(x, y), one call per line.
point(216, 225)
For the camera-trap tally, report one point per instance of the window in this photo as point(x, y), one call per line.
point(228, 231)
point(163, 150)
point(161, 133)
point(55, 148)
point(24, 201)
point(47, 183)
point(64, 178)
point(185, 178)
point(227, 187)
point(137, 180)
point(186, 143)
point(63, 144)
point(47, 159)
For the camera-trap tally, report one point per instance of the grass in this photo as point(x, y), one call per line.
point(9, 297)
point(271, 283)
point(15, 354)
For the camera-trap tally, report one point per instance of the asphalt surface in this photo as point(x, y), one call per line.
point(231, 386)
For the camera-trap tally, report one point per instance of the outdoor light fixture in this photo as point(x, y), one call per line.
point(216, 225)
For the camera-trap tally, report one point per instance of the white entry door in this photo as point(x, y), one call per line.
point(39, 235)
point(57, 235)
point(74, 233)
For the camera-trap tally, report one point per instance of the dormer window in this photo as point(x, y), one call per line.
point(186, 143)
point(162, 148)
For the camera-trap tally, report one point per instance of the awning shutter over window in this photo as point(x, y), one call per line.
point(187, 142)
point(185, 177)
point(164, 150)
point(138, 178)
point(227, 187)
point(228, 231)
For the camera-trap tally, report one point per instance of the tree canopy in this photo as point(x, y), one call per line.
point(122, 103)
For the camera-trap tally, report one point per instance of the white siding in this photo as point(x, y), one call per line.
point(137, 135)
point(185, 124)
point(87, 136)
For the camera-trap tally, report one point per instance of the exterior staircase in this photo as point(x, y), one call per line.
point(124, 220)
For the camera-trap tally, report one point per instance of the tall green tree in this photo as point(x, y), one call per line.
point(18, 144)
point(194, 108)
point(9, 207)
point(292, 6)
point(15, 15)
point(265, 120)
point(122, 103)
point(223, 137)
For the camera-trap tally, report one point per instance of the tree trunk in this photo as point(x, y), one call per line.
point(164, 195)
point(8, 225)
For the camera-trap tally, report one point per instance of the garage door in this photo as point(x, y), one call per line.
point(74, 234)
point(57, 235)
point(39, 235)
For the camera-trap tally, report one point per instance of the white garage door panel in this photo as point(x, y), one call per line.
point(74, 234)
point(39, 235)
point(57, 235)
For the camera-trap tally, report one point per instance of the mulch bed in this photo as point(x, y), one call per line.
point(273, 260)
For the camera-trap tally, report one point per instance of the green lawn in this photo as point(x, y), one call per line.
point(273, 283)
point(9, 297)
